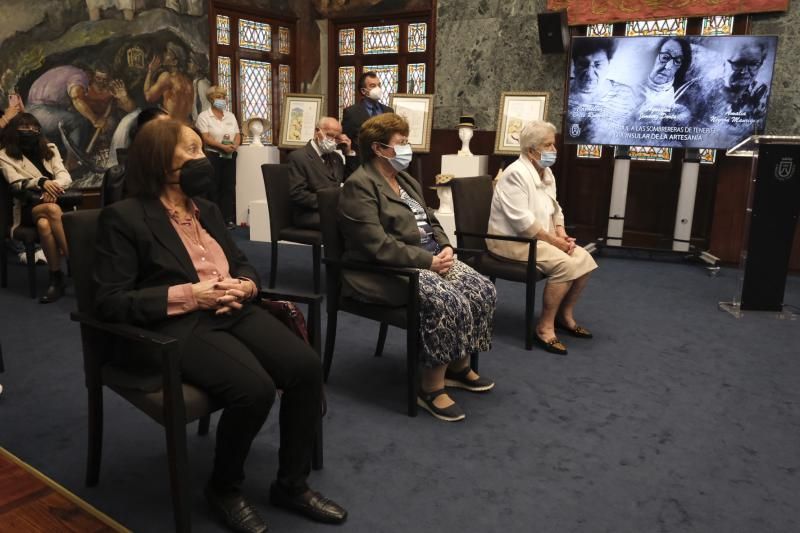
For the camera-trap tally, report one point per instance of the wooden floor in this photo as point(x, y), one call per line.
point(32, 502)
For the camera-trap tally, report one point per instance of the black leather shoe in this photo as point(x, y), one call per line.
point(238, 514)
point(310, 504)
point(55, 289)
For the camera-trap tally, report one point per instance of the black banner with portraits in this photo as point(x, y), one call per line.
point(677, 92)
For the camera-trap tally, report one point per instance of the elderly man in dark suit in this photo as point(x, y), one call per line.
point(369, 85)
point(324, 162)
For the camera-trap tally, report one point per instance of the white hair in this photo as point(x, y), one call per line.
point(321, 122)
point(533, 134)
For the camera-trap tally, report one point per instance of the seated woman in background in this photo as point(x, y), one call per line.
point(524, 204)
point(384, 219)
point(37, 177)
point(166, 261)
point(220, 131)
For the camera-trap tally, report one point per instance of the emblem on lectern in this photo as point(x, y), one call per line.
point(785, 168)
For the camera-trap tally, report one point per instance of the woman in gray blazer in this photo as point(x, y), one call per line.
point(384, 219)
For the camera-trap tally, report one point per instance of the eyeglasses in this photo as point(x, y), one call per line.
point(401, 143)
point(665, 58)
point(750, 66)
point(28, 129)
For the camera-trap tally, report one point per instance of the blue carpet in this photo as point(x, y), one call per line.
point(676, 417)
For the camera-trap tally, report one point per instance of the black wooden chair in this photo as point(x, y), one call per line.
point(25, 234)
point(404, 317)
point(472, 205)
point(276, 183)
point(160, 394)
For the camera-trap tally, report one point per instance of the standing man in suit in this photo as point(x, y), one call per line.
point(369, 85)
point(324, 162)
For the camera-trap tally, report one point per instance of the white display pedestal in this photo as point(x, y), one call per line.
point(259, 231)
point(460, 166)
point(250, 181)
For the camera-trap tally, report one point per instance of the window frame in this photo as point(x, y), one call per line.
point(402, 58)
point(237, 53)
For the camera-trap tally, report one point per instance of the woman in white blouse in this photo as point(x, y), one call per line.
point(524, 204)
point(220, 131)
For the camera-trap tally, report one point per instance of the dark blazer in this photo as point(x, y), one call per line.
point(378, 227)
point(354, 116)
point(140, 255)
point(308, 174)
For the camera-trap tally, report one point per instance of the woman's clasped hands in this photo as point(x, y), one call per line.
point(224, 295)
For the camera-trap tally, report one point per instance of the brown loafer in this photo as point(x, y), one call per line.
point(577, 331)
point(553, 345)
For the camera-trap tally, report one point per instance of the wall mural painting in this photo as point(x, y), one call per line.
point(88, 81)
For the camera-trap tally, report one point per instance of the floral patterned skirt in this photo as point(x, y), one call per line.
point(456, 314)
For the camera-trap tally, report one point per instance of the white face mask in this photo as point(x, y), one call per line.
point(402, 156)
point(375, 93)
point(219, 103)
point(326, 145)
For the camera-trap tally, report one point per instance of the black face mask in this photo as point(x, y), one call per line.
point(196, 177)
point(28, 141)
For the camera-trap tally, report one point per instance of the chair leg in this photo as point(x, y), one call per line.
point(530, 301)
point(412, 361)
point(273, 263)
point(474, 360)
point(203, 425)
point(381, 339)
point(178, 474)
point(30, 252)
point(330, 341)
point(3, 264)
point(95, 447)
point(316, 458)
point(316, 252)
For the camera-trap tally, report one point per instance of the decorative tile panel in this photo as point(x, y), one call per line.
point(224, 77)
point(255, 35)
point(347, 88)
point(638, 28)
point(255, 89)
point(590, 151)
point(416, 78)
point(347, 42)
point(284, 40)
point(417, 37)
point(717, 26)
point(381, 39)
point(223, 30)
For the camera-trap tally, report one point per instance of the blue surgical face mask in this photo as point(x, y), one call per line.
point(219, 103)
point(548, 159)
point(402, 156)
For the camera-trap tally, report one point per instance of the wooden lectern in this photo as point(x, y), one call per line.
point(773, 205)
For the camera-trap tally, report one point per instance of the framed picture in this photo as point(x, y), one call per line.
point(301, 112)
point(517, 108)
point(417, 109)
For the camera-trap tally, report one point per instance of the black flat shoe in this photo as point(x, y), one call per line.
point(309, 504)
point(238, 514)
point(460, 380)
point(553, 345)
point(577, 331)
point(448, 414)
point(55, 289)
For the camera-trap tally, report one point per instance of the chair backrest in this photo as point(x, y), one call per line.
point(113, 187)
point(332, 241)
point(276, 183)
point(6, 208)
point(472, 205)
point(80, 228)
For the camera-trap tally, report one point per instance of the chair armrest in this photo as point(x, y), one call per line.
point(126, 331)
point(370, 267)
point(298, 297)
point(529, 240)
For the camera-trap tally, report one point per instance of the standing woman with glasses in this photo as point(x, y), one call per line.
point(221, 136)
point(384, 220)
point(37, 177)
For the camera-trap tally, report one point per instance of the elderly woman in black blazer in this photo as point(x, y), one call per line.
point(166, 261)
point(384, 219)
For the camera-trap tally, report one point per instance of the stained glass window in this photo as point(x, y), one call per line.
point(417, 37)
point(284, 45)
point(284, 85)
point(223, 30)
point(708, 155)
point(255, 35)
point(381, 39)
point(347, 42)
point(416, 78)
point(590, 151)
point(637, 28)
point(650, 153)
point(255, 88)
point(347, 88)
point(388, 76)
point(599, 30)
point(224, 77)
point(717, 25)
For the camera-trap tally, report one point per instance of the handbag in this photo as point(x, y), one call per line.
point(68, 201)
point(288, 313)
